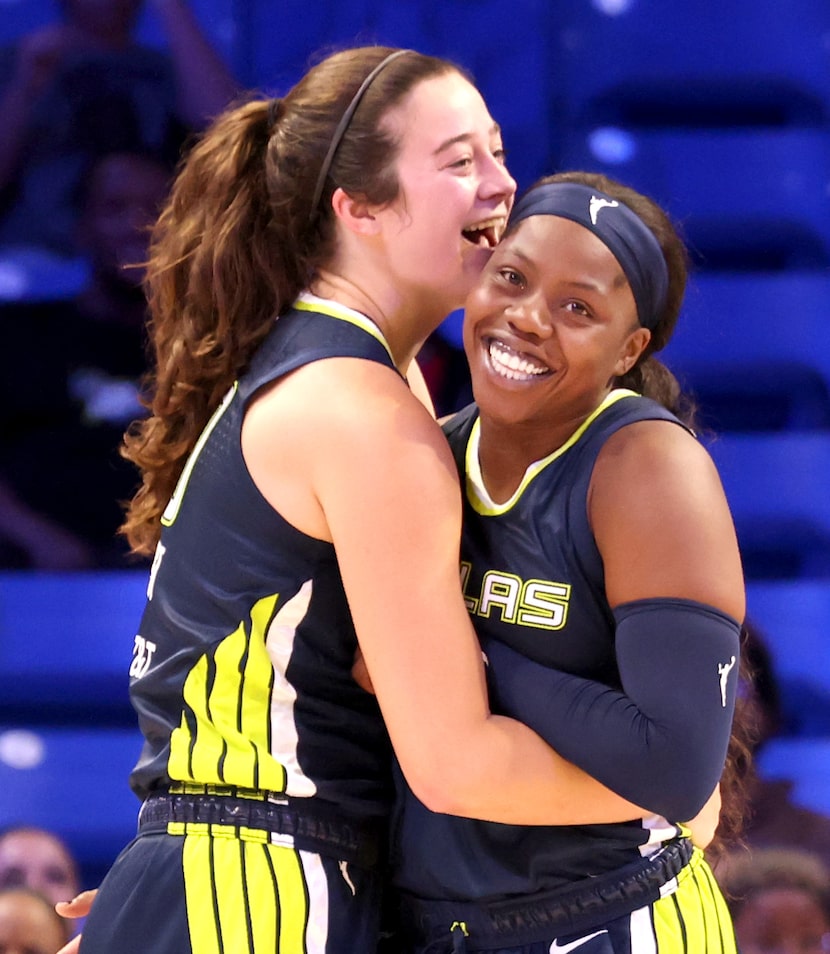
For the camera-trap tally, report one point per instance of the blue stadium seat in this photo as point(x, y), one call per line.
point(754, 348)
point(805, 762)
point(793, 617)
point(73, 782)
point(745, 198)
point(652, 63)
point(66, 642)
point(776, 485)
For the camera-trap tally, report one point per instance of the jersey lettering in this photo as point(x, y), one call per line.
point(158, 556)
point(542, 604)
point(143, 650)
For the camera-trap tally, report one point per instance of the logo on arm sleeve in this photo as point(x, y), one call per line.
point(723, 671)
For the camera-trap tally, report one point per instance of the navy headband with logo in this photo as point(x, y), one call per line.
point(618, 227)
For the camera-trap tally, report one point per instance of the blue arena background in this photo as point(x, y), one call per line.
point(720, 109)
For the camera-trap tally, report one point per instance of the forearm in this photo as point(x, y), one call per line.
point(502, 771)
point(661, 740)
point(204, 83)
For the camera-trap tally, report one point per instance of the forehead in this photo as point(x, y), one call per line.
point(439, 110)
point(30, 848)
point(552, 244)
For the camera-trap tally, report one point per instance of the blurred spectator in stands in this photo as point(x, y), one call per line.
point(83, 86)
point(773, 819)
point(28, 923)
point(780, 901)
point(32, 857)
point(72, 384)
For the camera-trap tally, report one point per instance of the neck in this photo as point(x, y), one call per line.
point(404, 328)
point(507, 448)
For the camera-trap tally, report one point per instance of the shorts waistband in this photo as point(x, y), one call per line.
point(310, 826)
point(547, 915)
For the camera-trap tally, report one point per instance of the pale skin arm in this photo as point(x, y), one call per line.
point(361, 462)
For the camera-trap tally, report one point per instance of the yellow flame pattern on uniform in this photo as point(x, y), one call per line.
point(225, 732)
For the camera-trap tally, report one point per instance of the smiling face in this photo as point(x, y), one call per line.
point(455, 192)
point(548, 327)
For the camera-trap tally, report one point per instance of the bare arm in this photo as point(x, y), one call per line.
point(656, 485)
point(671, 562)
point(384, 489)
point(204, 83)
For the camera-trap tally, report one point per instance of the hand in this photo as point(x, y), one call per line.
point(78, 907)
point(704, 825)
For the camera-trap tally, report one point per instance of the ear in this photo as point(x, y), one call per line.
point(354, 213)
point(634, 346)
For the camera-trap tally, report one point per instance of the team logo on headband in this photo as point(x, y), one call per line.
point(596, 205)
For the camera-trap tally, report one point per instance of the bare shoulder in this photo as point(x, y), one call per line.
point(336, 428)
point(661, 519)
point(641, 448)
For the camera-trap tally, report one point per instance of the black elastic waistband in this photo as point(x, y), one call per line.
point(542, 917)
point(310, 826)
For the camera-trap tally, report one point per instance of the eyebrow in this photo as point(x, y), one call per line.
point(591, 286)
point(495, 130)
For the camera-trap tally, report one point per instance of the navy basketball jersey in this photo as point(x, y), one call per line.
point(241, 674)
point(532, 578)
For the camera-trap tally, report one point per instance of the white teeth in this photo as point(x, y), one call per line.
point(487, 232)
point(510, 364)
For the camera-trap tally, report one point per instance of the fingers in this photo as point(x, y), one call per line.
point(78, 907)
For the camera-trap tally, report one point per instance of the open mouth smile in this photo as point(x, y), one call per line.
point(485, 234)
point(513, 365)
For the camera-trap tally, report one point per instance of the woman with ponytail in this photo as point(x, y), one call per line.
point(298, 499)
point(601, 569)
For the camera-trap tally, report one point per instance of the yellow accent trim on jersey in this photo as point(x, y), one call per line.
point(325, 306)
point(175, 501)
point(225, 731)
point(477, 494)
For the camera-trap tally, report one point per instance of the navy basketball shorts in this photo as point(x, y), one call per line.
point(228, 891)
point(690, 917)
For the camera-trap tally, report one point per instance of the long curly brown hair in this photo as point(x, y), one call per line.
point(238, 239)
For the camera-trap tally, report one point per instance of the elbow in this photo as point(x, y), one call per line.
point(680, 794)
point(446, 786)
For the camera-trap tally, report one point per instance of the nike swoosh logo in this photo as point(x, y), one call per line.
point(573, 945)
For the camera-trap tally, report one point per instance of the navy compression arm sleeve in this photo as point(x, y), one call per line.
point(660, 742)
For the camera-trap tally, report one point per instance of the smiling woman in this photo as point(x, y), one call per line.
point(607, 608)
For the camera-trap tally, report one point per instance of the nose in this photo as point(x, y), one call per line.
point(496, 182)
point(528, 316)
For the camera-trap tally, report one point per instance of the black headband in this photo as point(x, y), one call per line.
point(618, 227)
point(343, 125)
